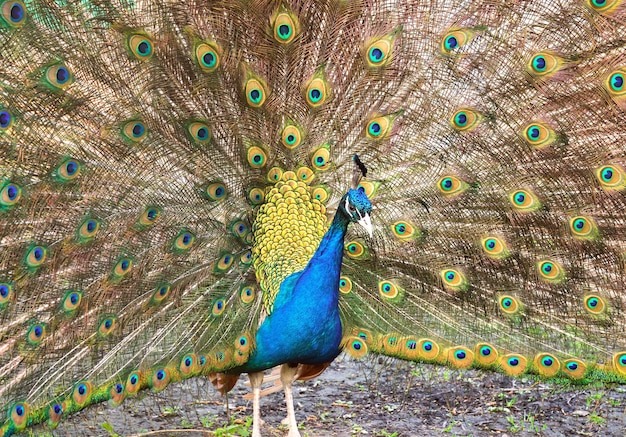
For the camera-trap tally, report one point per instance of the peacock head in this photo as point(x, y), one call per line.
point(355, 204)
point(357, 207)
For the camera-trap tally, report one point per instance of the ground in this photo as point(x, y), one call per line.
point(378, 399)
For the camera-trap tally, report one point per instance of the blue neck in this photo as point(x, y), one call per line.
point(326, 261)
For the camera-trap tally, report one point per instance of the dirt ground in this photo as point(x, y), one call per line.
point(360, 398)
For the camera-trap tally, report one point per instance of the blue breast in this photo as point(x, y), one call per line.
point(304, 326)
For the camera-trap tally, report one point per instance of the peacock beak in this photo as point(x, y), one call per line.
point(366, 222)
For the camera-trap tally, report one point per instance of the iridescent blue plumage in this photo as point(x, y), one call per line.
point(304, 326)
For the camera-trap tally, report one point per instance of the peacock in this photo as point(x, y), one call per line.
point(209, 188)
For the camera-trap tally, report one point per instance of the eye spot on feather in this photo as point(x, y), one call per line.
point(611, 177)
point(494, 247)
point(68, 170)
point(356, 347)
point(255, 93)
point(370, 188)
point(378, 51)
point(454, 280)
point(107, 326)
point(117, 394)
point(321, 158)
point(574, 368)
point(594, 304)
point(551, 271)
point(605, 7)
point(583, 228)
point(243, 344)
point(58, 77)
point(617, 82)
point(215, 191)
point(189, 365)
point(376, 55)
point(18, 415)
point(256, 156)
point(615, 86)
point(513, 364)
point(199, 132)
point(356, 250)
point(134, 131)
point(305, 175)
point(6, 294)
point(285, 27)
point(539, 135)
point(10, 195)
point(224, 262)
point(619, 362)
point(71, 301)
point(451, 186)
point(87, 230)
point(256, 196)
point(140, 46)
point(13, 13)
point(35, 257)
point(317, 90)
point(542, 65)
point(183, 241)
point(345, 285)
point(524, 201)
point(6, 120)
point(160, 294)
point(428, 349)
point(219, 306)
point(315, 95)
point(291, 136)
point(378, 127)
point(460, 357)
point(122, 268)
point(404, 231)
point(82, 393)
point(36, 333)
point(160, 379)
point(209, 60)
point(55, 413)
point(133, 383)
point(547, 365)
point(465, 120)
point(275, 174)
point(486, 354)
point(455, 39)
point(509, 304)
point(207, 56)
point(390, 291)
point(320, 193)
point(247, 294)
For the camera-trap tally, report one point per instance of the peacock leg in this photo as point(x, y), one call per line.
point(227, 407)
point(256, 379)
point(287, 376)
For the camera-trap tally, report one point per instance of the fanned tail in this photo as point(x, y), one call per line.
point(139, 139)
point(503, 243)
